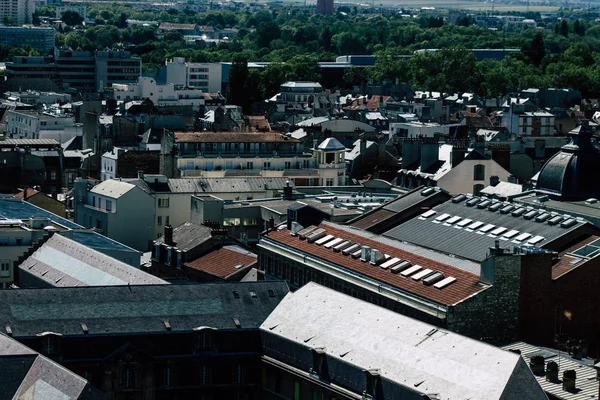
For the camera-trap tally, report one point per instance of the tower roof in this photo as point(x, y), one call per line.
point(331, 144)
point(570, 173)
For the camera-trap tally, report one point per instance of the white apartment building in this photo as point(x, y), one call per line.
point(161, 95)
point(109, 162)
point(19, 12)
point(35, 125)
point(258, 154)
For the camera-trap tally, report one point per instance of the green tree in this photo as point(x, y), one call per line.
point(238, 75)
point(535, 51)
point(564, 28)
point(71, 18)
point(267, 32)
point(326, 38)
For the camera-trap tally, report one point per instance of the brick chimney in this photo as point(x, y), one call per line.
point(169, 235)
point(430, 153)
point(458, 154)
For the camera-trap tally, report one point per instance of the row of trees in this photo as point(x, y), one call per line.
point(294, 40)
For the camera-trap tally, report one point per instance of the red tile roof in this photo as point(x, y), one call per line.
point(233, 137)
point(222, 262)
point(26, 193)
point(466, 285)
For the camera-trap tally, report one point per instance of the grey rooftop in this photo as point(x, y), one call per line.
point(413, 358)
point(121, 310)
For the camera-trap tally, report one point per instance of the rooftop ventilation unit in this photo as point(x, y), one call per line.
point(350, 249)
point(472, 202)
point(315, 235)
point(484, 204)
point(304, 232)
point(459, 198)
point(365, 253)
point(324, 240)
point(530, 214)
point(332, 243)
point(444, 282)
point(569, 223)
point(518, 212)
point(400, 267)
point(495, 207)
point(345, 244)
point(506, 209)
point(296, 227)
point(377, 257)
point(555, 220)
point(427, 192)
point(542, 217)
point(357, 253)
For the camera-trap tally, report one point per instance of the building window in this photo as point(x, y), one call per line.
point(108, 205)
point(159, 220)
point(249, 165)
point(50, 344)
point(205, 375)
point(93, 201)
point(98, 224)
point(239, 374)
point(288, 165)
point(5, 268)
point(477, 189)
point(267, 165)
point(329, 182)
point(169, 376)
point(479, 172)
point(167, 220)
point(163, 203)
point(128, 378)
point(205, 339)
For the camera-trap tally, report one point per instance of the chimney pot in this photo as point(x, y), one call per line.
point(552, 372)
point(569, 380)
point(536, 363)
point(169, 235)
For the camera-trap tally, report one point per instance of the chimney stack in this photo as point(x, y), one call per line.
point(536, 363)
point(552, 372)
point(494, 180)
point(287, 190)
point(169, 235)
point(569, 379)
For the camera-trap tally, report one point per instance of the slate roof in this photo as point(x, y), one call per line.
point(472, 243)
point(586, 384)
point(414, 359)
point(112, 188)
point(29, 375)
point(188, 236)
point(212, 185)
point(233, 137)
point(331, 144)
point(466, 285)
point(62, 262)
point(137, 309)
point(224, 261)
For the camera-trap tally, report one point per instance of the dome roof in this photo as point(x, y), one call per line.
point(571, 174)
point(331, 144)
